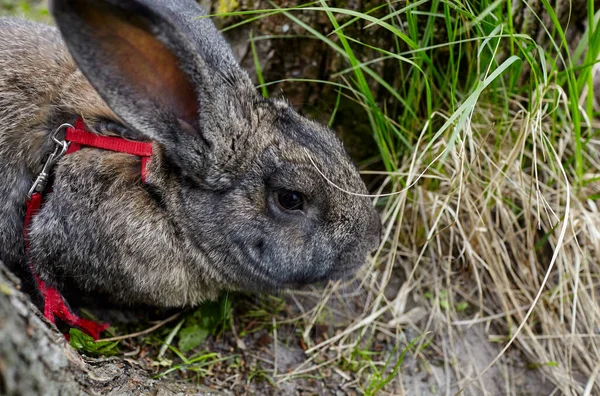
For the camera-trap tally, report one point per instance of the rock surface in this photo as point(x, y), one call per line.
point(36, 359)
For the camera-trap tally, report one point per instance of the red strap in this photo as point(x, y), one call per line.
point(33, 206)
point(78, 136)
point(81, 137)
point(54, 304)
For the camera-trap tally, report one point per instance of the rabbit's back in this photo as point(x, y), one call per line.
point(39, 82)
point(33, 62)
point(38, 78)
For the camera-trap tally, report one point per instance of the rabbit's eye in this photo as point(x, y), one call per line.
point(290, 200)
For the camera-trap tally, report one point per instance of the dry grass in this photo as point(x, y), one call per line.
point(496, 236)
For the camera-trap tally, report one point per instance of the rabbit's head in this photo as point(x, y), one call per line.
point(240, 175)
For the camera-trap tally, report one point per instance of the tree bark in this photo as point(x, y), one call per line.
point(36, 359)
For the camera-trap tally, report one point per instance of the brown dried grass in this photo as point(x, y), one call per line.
point(497, 236)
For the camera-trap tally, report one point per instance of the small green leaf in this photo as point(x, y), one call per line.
point(208, 319)
point(594, 197)
point(444, 303)
point(86, 344)
point(535, 366)
point(192, 336)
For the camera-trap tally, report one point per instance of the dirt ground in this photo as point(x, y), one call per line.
point(264, 362)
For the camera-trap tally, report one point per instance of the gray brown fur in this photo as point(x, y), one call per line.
point(205, 220)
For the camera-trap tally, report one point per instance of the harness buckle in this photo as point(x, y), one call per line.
point(60, 149)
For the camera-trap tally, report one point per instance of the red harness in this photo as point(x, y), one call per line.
point(76, 138)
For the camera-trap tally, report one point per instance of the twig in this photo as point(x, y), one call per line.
point(139, 333)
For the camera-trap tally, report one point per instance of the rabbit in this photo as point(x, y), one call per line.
point(236, 195)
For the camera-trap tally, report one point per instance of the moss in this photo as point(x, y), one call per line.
point(30, 9)
point(227, 6)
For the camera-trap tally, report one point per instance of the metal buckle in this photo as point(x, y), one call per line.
point(61, 148)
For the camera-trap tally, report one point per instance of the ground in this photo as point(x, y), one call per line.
point(270, 360)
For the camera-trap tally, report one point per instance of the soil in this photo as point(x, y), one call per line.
point(35, 358)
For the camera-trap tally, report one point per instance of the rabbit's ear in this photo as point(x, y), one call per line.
point(155, 63)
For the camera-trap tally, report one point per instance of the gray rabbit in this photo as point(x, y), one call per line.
point(232, 199)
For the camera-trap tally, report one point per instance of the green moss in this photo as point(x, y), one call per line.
point(30, 9)
point(227, 6)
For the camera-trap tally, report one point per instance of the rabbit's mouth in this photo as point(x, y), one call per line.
point(257, 271)
point(264, 274)
point(259, 261)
